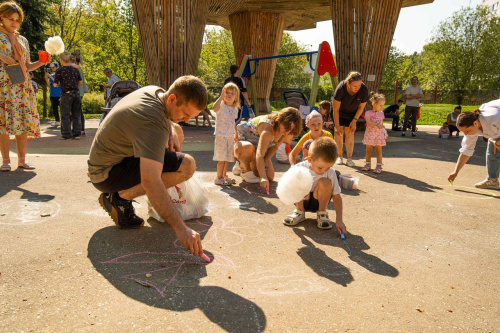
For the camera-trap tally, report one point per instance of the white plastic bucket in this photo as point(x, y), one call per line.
point(349, 181)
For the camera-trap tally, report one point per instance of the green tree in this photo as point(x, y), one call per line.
point(394, 70)
point(291, 72)
point(217, 55)
point(464, 54)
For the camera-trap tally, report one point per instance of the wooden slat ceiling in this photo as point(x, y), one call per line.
point(300, 14)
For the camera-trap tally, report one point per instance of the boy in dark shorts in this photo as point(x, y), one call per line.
point(136, 151)
point(322, 155)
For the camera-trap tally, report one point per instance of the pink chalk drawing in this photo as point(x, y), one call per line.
point(228, 233)
point(170, 264)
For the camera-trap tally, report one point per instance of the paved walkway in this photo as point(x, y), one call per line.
point(422, 256)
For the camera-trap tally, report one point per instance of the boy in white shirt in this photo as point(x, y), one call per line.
point(322, 155)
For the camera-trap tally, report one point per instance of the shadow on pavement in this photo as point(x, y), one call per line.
point(148, 265)
point(251, 198)
point(11, 181)
point(396, 178)
point(326, 267)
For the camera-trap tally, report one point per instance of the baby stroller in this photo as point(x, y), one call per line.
point(410, 121)
point(119, 90)
point(297, 99)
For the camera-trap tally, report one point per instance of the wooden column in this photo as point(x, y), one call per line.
point(259, 34)
point(363, 32)
point(171, 33)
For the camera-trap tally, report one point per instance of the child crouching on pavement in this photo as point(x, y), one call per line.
point(322, 155)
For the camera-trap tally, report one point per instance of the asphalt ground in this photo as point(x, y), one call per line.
point(421, 256)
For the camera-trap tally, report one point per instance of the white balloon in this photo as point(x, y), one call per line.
point(295, 184)
point(54, 45)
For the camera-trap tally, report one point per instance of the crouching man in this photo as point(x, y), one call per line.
point(136, 151)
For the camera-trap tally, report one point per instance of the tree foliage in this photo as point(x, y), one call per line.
point(106, 35)
point(291, 72)
point(462, 57)
point(217, 55)
point(465, 51)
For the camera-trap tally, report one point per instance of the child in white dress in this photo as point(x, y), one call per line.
point(226, 110)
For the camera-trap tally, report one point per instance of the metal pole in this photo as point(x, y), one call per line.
point(435, 95)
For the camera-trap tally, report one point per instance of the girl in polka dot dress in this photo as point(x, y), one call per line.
point(375, 133)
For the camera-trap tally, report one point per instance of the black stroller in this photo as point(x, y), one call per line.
point(296, 99)
point(119, 90)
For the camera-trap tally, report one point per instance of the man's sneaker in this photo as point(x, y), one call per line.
point(120, 210)
point(76, 138)
point(339, 161)
point(323, 220)
point(236, 169)
point(488, 183)
point(350, 162)
point(55, 123)
point(63, 138)
point(403, 134)
point(295, 218)
point(413, 134)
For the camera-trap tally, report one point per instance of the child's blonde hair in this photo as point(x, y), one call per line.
point(231, 86)
point(375, 97)
point(65, 57)
point(324, 148)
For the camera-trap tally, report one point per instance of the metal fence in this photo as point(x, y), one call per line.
point(442, 97)
point(448, 97)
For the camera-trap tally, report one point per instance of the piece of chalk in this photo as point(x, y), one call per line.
point(342, 236)
point(267, 192)
point(204, 256)
point(451, 182)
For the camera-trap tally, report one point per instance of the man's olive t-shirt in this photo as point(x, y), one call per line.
point(137, 126)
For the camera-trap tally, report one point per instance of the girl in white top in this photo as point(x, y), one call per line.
point(226, 109)
point(484, 122)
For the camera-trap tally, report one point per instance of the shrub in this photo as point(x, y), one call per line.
point(91, 103)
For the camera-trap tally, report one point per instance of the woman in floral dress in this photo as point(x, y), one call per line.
point(18, 112)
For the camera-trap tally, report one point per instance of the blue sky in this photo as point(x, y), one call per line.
point(414, 28)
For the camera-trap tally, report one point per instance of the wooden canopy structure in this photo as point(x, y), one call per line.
point(171, 33)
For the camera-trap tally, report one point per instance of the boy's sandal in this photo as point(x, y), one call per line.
point(367, 167)
point(27, 166)
point(5, 168)
point(378, 169)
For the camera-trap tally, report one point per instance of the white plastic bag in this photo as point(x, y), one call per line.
point(189, 198)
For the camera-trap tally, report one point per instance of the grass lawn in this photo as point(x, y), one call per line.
point(435, 114)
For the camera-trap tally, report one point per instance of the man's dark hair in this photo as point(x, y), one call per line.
point(400, 101)
point(233, 69)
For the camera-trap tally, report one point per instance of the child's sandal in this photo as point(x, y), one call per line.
point(367, 167)
point(229, 180)
point(378, 169)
